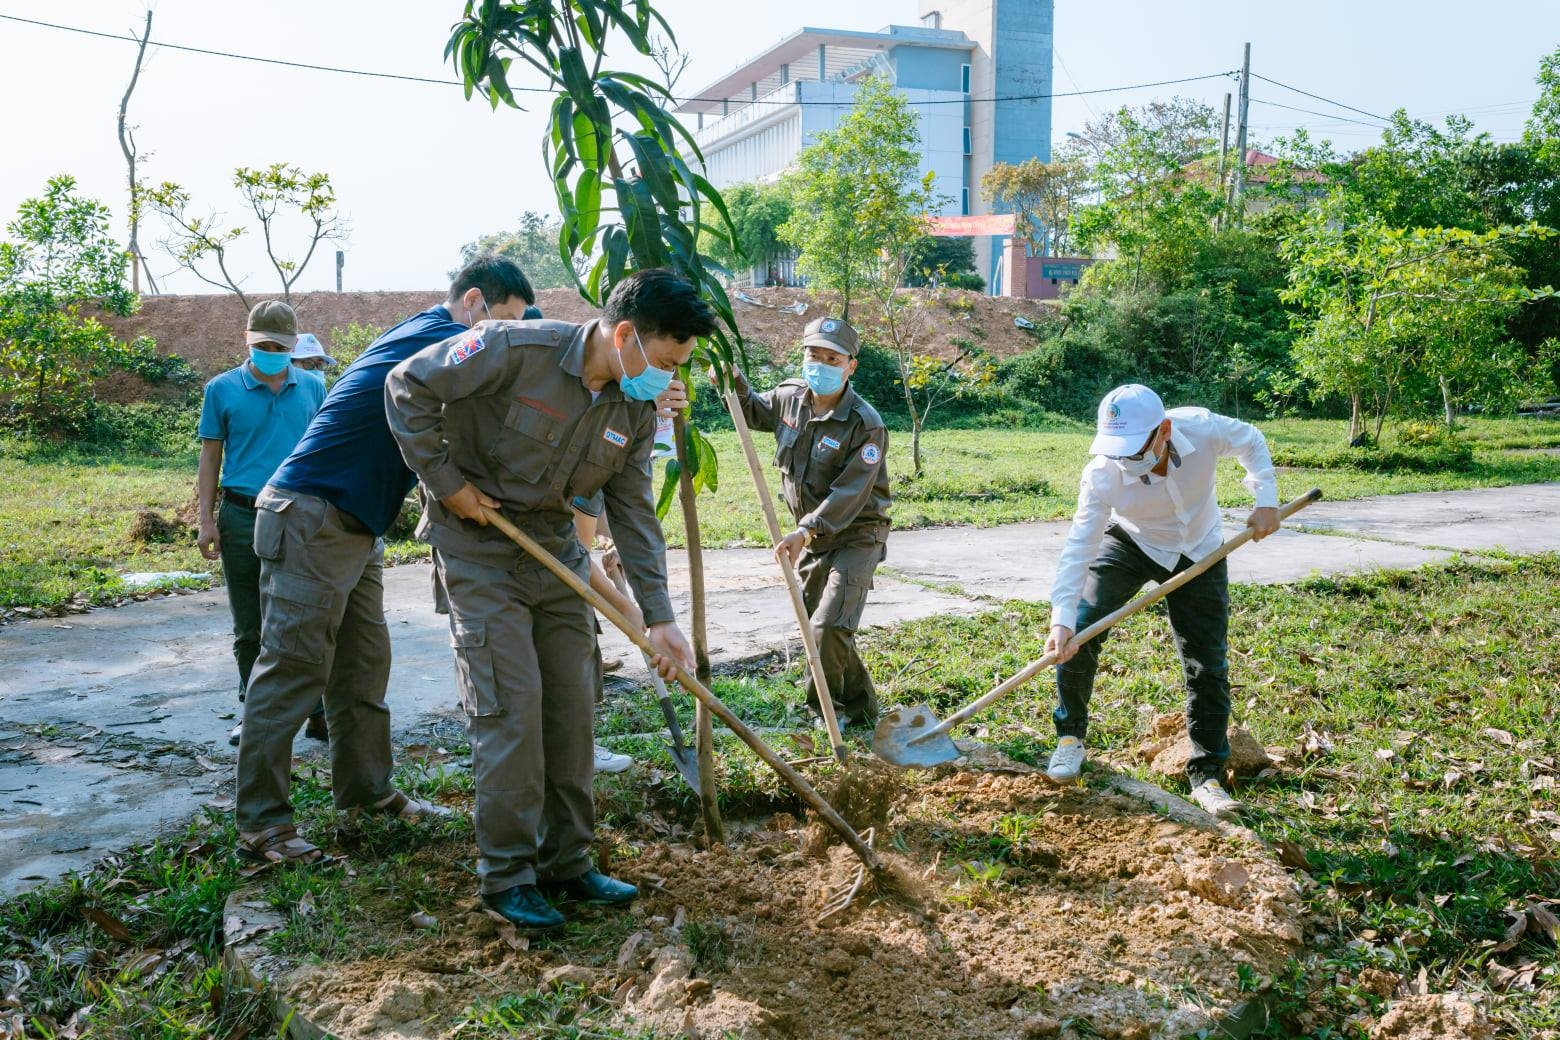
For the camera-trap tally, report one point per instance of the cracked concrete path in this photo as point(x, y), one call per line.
point(113, 724)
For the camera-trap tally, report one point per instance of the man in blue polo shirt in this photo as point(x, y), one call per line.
point(319, 536)
point(250, 418)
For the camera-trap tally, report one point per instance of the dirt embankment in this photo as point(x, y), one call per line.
point(207, 330)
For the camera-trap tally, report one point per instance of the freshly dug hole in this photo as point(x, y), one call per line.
point(1039, 906)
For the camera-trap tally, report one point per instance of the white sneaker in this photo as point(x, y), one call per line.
point(1066, 761)
point(1215, 801)
point(611, 762)
point(237, 735)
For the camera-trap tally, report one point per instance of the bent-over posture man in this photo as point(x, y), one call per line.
point(319, 536)
point(1146, 511)
point(830, 447)
point(524, 417)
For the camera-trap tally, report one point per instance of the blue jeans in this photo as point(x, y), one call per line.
point(1199, 619)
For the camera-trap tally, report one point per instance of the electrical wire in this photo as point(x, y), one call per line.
point(1330, 117)
point(1318, 97)
point(549, 90)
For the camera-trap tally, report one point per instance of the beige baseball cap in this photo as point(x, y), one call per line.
point(272, 321)
point(831, 334)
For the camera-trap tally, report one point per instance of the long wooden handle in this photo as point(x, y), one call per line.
point(792, 778)
point(803, 619)
point(661, 693)
point(1034, 668)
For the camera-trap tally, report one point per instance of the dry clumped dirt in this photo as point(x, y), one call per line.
point(1433, 1016)
point(1106, 916)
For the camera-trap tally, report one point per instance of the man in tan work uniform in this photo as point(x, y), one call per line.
point(830, 447)
point(523, 417)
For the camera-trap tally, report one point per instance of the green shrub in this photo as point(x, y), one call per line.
point(1417, 448)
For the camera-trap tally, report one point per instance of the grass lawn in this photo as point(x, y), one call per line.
point(65, 517)
point(1425, 813)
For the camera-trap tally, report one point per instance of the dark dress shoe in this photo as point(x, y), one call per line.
point(525, 907)
point(595, 887)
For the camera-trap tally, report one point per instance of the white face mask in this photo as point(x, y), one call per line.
point(1140, 467)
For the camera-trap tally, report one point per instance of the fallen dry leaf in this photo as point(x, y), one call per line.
point(422, 919)
point(1500, 736)
point(305, 906)
point(1292, 855)
point(1542, 922)
point(111, 925)
point(1515, 929)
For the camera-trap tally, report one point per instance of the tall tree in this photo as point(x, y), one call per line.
point(133, 158)
point(1041, 196)
point(534, 246)
point(281, 196)
point(856, 194)
point(758, 211)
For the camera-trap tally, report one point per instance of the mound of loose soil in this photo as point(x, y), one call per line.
point(1038, 907)
point(1433, 1016)
point(1167, 749)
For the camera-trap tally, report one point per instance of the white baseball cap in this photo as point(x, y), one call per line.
point(309, 346)
point(1126, 417)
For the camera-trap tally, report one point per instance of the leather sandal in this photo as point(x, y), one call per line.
point(281, 844)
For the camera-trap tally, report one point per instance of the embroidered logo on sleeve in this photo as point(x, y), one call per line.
point(870, 454)
point(611, 436)
point(465, 348)
point(830, 442)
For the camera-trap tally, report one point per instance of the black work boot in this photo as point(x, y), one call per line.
point(525, 907)
point(594, 887)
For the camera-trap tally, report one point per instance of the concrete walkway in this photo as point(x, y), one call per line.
point(113, 724)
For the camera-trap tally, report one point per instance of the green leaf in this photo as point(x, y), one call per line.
point(663, 502)
point(587, 201)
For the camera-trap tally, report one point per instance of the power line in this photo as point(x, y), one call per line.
point(1319, 97)
point(1330, 117)
point(549, 90)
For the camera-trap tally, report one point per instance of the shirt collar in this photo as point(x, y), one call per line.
point(573, 360)
point(841, 407)
point(251, 382)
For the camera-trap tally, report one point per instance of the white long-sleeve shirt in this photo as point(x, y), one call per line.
point(1168, 517)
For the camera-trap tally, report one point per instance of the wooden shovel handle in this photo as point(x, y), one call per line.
point(1154, 595)
point(792, 778)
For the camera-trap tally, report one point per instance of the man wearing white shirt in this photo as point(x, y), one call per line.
point(1147, 510)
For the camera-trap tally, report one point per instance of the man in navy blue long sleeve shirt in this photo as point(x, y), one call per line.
point(318, 533)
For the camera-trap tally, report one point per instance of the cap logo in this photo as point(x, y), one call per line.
point(1113, 411)
point(829, 325)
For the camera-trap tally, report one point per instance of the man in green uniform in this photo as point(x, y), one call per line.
point(523, 417)
point(830, 447)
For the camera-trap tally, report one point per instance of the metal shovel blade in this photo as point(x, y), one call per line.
point(900, 739)
point(687, 765)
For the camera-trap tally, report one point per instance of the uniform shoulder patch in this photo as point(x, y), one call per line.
point(871, 454)
point(469, 344)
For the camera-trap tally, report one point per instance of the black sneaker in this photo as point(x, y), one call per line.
point(594, 887)
point(525, 907)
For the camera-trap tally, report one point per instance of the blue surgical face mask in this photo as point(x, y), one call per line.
point(647, 385)
point(823, 379)
point(269, 362)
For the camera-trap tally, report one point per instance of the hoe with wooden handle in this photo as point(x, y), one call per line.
point(793, 779)
point(914, 737)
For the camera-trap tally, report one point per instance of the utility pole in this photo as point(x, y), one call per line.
point(1224, 154)
point(1240, 137)
point(341, 261)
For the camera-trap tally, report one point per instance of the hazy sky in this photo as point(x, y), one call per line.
point(420, 171)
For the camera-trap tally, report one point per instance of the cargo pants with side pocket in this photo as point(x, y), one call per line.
point(322, 631)
point(835, 584)
point(527, 668)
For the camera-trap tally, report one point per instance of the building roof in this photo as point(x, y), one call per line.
point(846, 49)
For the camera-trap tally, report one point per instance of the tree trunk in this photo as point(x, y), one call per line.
point(1446, 402)
point(1356, 417)
point(709, 804)
point(916, 418)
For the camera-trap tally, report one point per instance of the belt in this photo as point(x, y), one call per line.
point(228, 495)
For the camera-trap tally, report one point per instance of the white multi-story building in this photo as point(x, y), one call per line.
point(976, 72)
